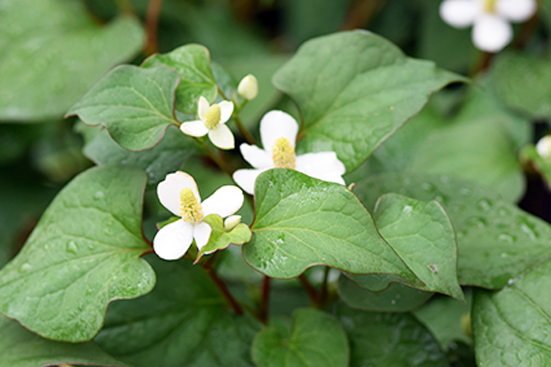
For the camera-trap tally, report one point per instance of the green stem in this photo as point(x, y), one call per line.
point(126, 7)
point(222, 94)
point(217, 159)
point(243, 130)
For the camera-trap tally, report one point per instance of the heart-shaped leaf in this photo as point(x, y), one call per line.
point(183, 322)
point(316, 339)
point(134, 104)
point(390, 339)
point(192, 62)
point(21, 348)
point(220, 238)
point(54, 51)
point(84, 252)
point(496, 241)
point(354, 89)
point(301, 222)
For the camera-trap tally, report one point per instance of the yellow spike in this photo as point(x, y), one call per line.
point(190, 209)
point(490, 6)
point(212, 116)
point(283, 154)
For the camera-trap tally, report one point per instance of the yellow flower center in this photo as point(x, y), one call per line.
point(489, 6)
point(283, 154)
point(190, 209)
point(212, 117)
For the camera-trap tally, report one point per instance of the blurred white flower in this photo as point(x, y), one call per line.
point(212, 120)
point(278, 132)
point(490, 19)
point(248, 87)
point(544, 147)
point(179, 194)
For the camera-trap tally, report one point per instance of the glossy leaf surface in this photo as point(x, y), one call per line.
point(84, 253)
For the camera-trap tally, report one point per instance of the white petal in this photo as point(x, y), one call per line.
point(226, 109)
point(194, 128)
point(516, 10)
point(173, 240)
point(222, 137)
point(459, 13)
point(246, 178)
point(544, 147)
point(258, 158)
point(225, 201)
point(275, 125)
point(201, 233)
point(202, 107)
point(491, 33)
point(169, 190)
point(322, 161)
point(329, 176)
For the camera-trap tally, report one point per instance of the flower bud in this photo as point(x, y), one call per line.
point(544, 147)
point(248, 87)
point(231, 222)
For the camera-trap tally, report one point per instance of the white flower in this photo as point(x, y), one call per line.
point(278, 132)
point(491, 30)
point(178, 193)
point(212, 121)
point(248, 87)
point(544, 147)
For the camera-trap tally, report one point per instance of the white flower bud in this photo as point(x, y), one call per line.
point(544, 147)
point(248, 87)
point(231, 222)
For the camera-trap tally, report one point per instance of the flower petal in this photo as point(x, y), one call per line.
point(226, 109)
point(491, 33)
point(169, 190)
point(173, 240)
point(275, 125)
point(322, 161)
point(258, 158)
point(202, 107)
point(201, 233)
point(516, 10)
point(194, 128)
point(225, 201)
point(222, 137)
point(459, 13)
point(246, 178)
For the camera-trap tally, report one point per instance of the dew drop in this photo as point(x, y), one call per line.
point(504, 255)
point(99, 195)
point(393, 301)
point(504, 212)
point(505, 237)
point(428, 187)
point(88, 291)
point(407, 209)
point(465, 192)
point(72, 247)
point(529, 229)
point(461, 233)
point(25, 267)
point(484, 204)
point(476, 222)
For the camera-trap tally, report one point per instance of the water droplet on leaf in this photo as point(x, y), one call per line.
point(72, 247)
point(25, 267)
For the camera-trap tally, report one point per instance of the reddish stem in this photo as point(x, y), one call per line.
point(151, 25)
point(224, 290)
point(265, 300)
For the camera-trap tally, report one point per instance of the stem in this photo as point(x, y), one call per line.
point(526, 31)
point(223, 289)
point(360, 13)
point(217, 159)
point(483, 63)
point(265, 300)
point(126, 7)
point(312, 293)
point(151, 25)
point(243, 130)
point(222, 94)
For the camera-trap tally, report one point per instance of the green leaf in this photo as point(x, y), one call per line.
point(220, 238)
point(511, 326)
point(53, 52)
point(84, 252)
point(354, 89)
point(542, 165)
point(523, 83)
point(389, 339)
point(192, 62)
point(316, 339)
point(496, 241)
point(168, 156)
point(21, 348)
point(395, 298)
point(302, 222)
point(183, 322)
point(445, 317)
point(134, 104)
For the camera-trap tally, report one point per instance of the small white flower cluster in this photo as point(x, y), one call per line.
point(489, 18)
point(180, 195)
